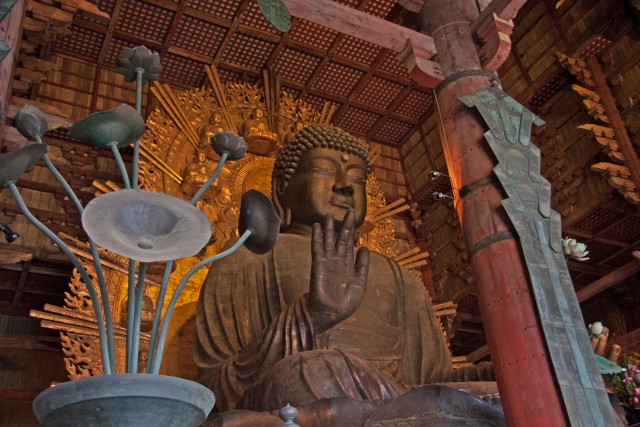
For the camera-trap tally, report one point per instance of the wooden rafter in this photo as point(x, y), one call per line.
point(609, 280)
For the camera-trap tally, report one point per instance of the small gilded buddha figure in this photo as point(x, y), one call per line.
point(346, 336)
point(195, 175)
point(287, 137)
point(213, 126)
point(255, 131)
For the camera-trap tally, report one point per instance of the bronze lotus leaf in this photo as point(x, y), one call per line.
point(146, 226)
point(15, 163)
point(31, 122)
point(142, 58)
point(258, 215)
point(122, 124)
point(230, 143)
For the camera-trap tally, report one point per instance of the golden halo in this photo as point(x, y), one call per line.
point(252, 173)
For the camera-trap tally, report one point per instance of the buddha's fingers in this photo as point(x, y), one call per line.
point(329, 236)
point(362, 264)
point(344, 241)
point(317, 243)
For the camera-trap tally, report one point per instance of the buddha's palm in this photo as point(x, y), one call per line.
point(337, 282)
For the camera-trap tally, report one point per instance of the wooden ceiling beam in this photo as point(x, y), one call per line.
point(165, 4)
point(22, 280)
point(137, 40)
point(478, 354)
point(91, 25)
point(353, 22)
point(257, 32)
point(609, 280)
point(557, 23)
point(115, 14)
point(628, 340)
point(207, 17)
point(593, 270)
point(13, 257)
point(281, 45)
point(232, 29)
point(37, 269)
point(30, 344)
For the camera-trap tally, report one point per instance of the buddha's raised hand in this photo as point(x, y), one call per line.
point(337, 282)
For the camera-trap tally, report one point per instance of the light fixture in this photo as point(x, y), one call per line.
point(437, 196)
point(9, 234)
point(433, 175)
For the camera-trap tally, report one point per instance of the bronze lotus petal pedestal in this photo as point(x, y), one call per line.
point(146, 226)
point(124, 400)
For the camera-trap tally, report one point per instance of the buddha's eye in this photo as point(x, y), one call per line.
point(357, 180)
point(323, 171)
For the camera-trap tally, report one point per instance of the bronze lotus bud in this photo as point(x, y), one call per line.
point(230, 143)
point(139, 58)
point(258, 215)
point(31, 122)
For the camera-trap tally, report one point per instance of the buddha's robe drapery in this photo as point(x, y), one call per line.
point(253, 314)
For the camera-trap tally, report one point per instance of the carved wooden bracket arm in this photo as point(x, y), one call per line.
point(497, 43)
point(415, 49)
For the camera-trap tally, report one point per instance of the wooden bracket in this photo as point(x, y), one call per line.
point(497, 43)
point(421, 69)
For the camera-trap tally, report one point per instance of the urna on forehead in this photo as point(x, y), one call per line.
point(317, 136)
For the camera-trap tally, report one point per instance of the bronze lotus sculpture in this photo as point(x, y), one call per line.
point(144, 227)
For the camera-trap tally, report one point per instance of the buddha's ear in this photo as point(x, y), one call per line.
point(278, 189)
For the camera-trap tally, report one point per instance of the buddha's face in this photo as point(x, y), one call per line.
point(327, 181)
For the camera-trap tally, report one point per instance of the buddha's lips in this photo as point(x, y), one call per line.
point(342, 202)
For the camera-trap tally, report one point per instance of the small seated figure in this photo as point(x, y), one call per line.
point(195, 175)
point(287, 137)
point(213, 126)
point(255, 131)
point(347, 337)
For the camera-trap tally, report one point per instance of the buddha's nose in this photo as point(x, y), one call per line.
point(342, 185)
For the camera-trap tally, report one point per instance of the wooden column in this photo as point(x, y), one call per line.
point(10, 31)
point(525, 378)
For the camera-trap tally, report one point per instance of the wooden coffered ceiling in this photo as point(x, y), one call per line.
point(375, 98)
point(371, 90)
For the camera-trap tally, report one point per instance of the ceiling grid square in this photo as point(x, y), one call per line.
point(338, 79)
point(198, 36)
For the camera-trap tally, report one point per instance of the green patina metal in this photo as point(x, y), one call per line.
point(276, 13)
point(539, 230)
point(5, 8)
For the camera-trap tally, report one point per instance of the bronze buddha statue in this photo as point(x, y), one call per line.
point(348, 337)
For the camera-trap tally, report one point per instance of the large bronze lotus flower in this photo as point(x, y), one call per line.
point(15, 163)
point(229, 142)
point(30, 122)
point(258, 215)
point(123, 125)
point(139, 58)
point(146, 226)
